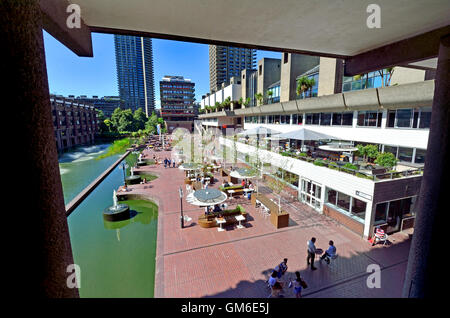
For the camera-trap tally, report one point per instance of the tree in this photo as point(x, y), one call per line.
point(102, 128)
point(115, 117)
point(386, 159)
point(368, 151)
point(126, 122)
point(304, 84)
point(269, 94)
point(139, 119)
point(259, 97)
point(386, 75)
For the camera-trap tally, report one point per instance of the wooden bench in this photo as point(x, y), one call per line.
point(278, 218)
point(207, 221)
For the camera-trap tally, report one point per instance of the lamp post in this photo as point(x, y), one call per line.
point(124, 167)
point(181, 205)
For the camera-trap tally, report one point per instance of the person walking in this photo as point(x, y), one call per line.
point(329, 253)
point(298, 285)
point(311, 253)
point(165, 162)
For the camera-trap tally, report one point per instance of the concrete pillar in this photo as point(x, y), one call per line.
point(423, 275)
point(43, 258)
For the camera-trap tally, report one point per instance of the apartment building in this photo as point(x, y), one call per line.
point(226, 62)
point(177, 102)
point(74, 123)
point(391, 111)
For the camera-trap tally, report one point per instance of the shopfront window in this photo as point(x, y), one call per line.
point(405, 154)
point(346, 204)
point(344, 201)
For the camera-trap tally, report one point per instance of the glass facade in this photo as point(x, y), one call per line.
point(370, 80)
point(392, 213)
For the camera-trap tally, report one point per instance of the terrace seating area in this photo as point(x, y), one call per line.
point(208, 221)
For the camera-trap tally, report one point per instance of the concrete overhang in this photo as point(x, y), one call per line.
point(366, 99)
point(408, 95)
point(321, 103)
point(290, 107)
point(337, 31)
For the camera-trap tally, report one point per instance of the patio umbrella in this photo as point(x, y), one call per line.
point(304, 134)
point(190, 166)
point(339, 146)
point(206, 197)
point(258, 131)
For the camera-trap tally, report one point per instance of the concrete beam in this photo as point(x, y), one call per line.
point(417, 48)
point(54, 20)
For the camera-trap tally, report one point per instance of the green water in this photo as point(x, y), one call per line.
point(116, 259)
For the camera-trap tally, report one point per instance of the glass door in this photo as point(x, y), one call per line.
point(311, 194)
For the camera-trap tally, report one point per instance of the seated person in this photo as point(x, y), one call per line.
point(225, 184)
point(329, 253)
point(243, 183)
point(217, 208)
point(207, 210)
point(144, 181)
point(250, 185)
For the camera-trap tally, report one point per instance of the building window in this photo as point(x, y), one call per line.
point(346, 204)
point(260, 70)
point(325, 119)
point(405, 154)
point(420, 155)
point(343, 201)
point(285, 58)
point(316, 118)
point(369, 119)
point(391, 149)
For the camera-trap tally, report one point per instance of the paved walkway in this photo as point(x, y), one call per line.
point(199, 262)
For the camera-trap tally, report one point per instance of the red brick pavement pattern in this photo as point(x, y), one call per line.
point(199, 262)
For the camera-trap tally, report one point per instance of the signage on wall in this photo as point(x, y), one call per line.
point(364, 195)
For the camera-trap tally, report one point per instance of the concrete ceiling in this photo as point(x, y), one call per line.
point(334, 27)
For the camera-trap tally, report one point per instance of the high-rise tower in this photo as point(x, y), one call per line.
point(226, 62)
point(134, 61)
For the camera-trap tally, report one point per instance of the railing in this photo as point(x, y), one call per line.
point(356, 172)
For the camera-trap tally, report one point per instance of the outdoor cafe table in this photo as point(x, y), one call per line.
point(248, 190)
point(220, 221)
point(231, 192)
point(240, 218)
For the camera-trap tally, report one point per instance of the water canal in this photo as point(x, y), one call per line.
point(117, 259)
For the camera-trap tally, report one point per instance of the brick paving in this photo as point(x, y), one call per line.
point(200, 262)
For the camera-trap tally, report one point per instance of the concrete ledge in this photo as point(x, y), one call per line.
point(271, 108)
point(418, 94)
point(290, 106)
point(365, 99)
point(333, 102)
